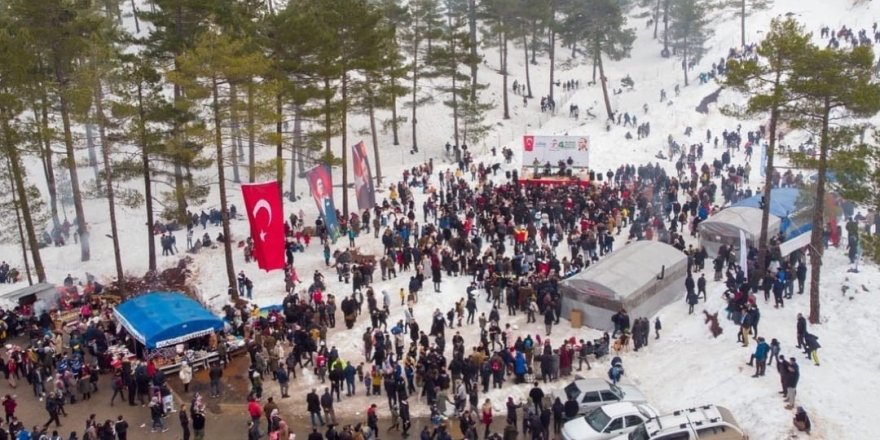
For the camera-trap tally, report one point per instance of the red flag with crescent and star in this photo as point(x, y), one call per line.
point(266, 216)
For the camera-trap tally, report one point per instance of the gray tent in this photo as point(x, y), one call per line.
point(641, 277)
point(723, 228)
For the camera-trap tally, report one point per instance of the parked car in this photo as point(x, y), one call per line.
point(708, 422)
point(608, 421)
point(593, 392)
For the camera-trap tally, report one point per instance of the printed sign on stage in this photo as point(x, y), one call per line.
point(573, 150)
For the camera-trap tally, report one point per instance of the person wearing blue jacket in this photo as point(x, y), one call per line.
point(519, 366)
point(760, 357)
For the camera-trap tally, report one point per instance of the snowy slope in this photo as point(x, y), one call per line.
point(686, 366)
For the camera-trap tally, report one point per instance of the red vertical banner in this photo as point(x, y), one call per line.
point(363, 177)
point(266, 216)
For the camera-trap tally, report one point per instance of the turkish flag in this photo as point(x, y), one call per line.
point(266, 216)
point(529, 143)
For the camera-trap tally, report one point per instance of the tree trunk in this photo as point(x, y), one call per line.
point(252, 133)
point(328, 128)
point(81, 224)
point(666, 26)
point(595, 65)
point(279, 145)
point(394, 127)
point(108, 171)
point(472, 36)
point(526, 53)
point(93, 153)
point(684, 60)
point(534, 43)
point(236, 130)
point(742, 23)
point(656, 19)
point(221, 177)
point(604, 82)
point(376, 157)
point(552, 57)
point(17, 176)
point(504, 74)
point(148, 182)
point(46, 156)
point(415, 97)
point(296, 151)
point(817, 243)
point(21, 239)
point(178, 127)
point(768, 185)
point(134, 12)
point(344, 115)
point(455, 95)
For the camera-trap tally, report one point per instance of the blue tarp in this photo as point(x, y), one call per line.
point(783, 204)
point(161, 319)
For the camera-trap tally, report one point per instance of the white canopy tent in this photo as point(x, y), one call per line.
point(724, 226)
point(641, 277)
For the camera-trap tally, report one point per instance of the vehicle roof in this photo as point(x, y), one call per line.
point(627, 408)
point(592, 384)
point(707, 415)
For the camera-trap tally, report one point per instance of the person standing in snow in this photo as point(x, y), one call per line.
point(812, 347)
point(549, 319)
point(801, 330)
point(760, 357)
point(792, 378)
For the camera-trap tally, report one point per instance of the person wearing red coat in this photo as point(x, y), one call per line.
point(486, 417)
point(566, 357)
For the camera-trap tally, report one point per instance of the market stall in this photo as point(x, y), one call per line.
point(171, 327)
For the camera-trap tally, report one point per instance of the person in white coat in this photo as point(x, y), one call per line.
point(186, 375)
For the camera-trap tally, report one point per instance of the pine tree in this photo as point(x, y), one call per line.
point(446, 61)
point(832, 86)
point(765, 81)
point(689, 32)
point(14, 80)
point(214, 61)
point(425, 26)
point(143, 115)
point(175, 26)
point(856, 166)
point(745, 8)
point(59, 32)
point(502, 26)
point(600, 26)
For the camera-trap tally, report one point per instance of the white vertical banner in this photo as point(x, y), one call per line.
point(743, 253)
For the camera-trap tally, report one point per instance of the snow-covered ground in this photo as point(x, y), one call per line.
point(686, 367)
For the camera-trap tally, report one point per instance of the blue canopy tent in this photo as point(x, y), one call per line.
point(162, 319)
point(783, 204)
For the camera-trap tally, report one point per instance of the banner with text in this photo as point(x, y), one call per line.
point(573, 150)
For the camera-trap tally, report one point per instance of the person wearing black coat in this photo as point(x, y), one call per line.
point(549, 319)
point(313, 406)
point(545, 422)
point(571, 408)
point(184, 422)
point(537, 396)
point(558, 415)
point(315, 435)
point(801, 331)
point(801, 273)
point(254, 431)
point(701, 287)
